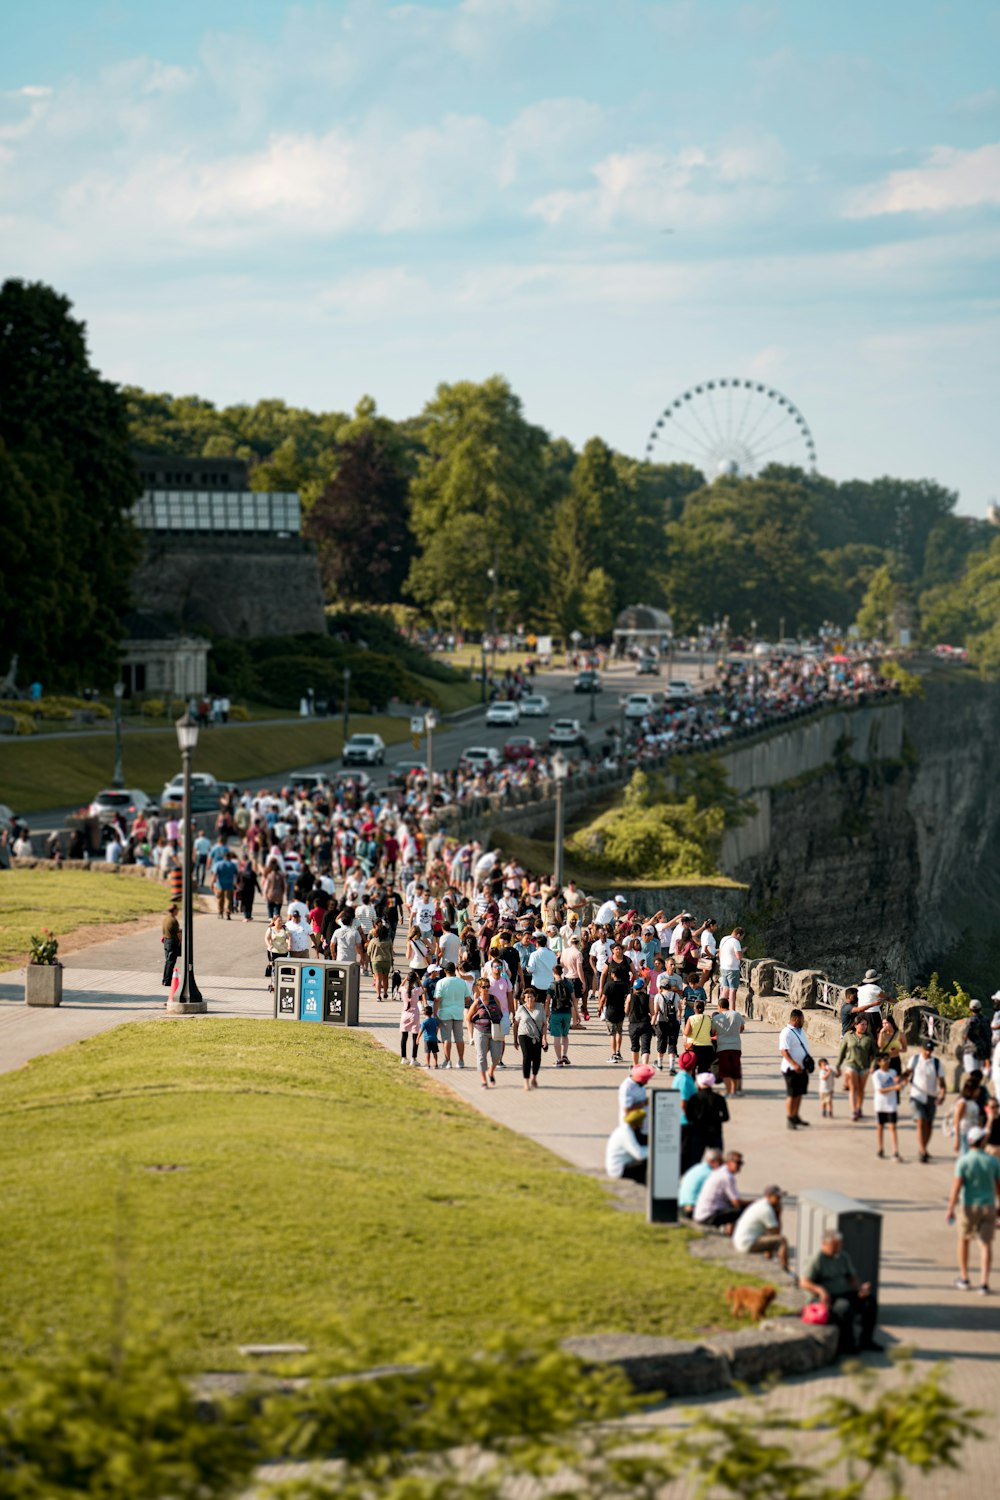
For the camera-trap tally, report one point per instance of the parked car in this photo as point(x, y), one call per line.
point(566, 732)
point(588, 681)
point(129, 801)
point(521, 747)
point(679, 690)
point(649, 665)
point(534, 706)
point(403, 769)
point(479, 758)
point(364, 750)
point(639, 706)
point(503, 712)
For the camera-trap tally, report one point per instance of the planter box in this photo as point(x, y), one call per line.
point(43, 984)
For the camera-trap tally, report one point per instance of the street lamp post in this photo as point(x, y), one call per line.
point(593, 691)
point(482, 695)
point(347, 701)
point(701, 652)
point(560, 770)
point(188, 1000)
point(118, 778)
point(430, 724)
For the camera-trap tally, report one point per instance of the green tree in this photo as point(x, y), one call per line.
point(66, 436)
point(597, 603)
point(879, 615)
point(477, 502)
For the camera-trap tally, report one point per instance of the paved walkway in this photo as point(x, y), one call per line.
point(572, 1112)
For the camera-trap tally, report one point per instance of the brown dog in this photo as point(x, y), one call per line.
point(750, 1301)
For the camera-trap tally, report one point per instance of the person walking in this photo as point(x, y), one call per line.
point(171, 940)
point(451, 996)
point(411, 995)
point(379, 948)
point(560, 1010)
point(224, 885)
point(706, 1112)
point(855, 1060)
point(615, 983)
point(977, 1182)
point(483, 1021)
point(729, 1026)
point(274, 888)
point(640, 1022)
point(887, 1085)
point(276, 943)
point(796, 1065)
point(699, 1035)
point(531, 1034)
point(927, 1093)
point(247, 887)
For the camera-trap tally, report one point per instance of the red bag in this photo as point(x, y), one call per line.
point(816, 1312)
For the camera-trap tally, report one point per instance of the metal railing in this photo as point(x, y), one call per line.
point(830, 996)
point(781, 983)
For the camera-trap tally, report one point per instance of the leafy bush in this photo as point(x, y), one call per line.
point(280, 670)
point(910, 685)
point(652, 839)
point(51, 708)
point(239, 712)
point(42, 950)
point(153, 708)
point(952, 1004)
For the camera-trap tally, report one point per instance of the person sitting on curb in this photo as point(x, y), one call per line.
point(694, 1180)
point(758, 1228)
point(626, 1155)
point(977, 1178)
point(719, 1205)
point(831, 1279)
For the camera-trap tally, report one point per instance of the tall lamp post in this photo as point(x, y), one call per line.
point(347, 701)
point(118, 778)
point(482, 696)
point(188, 1000)
point(593, 692)
point(560, 770)
point(430, 724)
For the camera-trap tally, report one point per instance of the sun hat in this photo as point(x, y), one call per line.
point(976, 1134)
point(705, 1080)
point(642, 1073)
point(871, 973)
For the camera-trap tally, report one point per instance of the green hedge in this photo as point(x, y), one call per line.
point(280, 670)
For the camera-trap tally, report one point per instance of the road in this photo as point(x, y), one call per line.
point(450, 739)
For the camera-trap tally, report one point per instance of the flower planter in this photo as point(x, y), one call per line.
point(43, 984)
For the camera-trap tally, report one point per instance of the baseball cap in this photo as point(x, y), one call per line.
point(975, 1005)
point(620, 901)
point(639, 984)
point(642, 1072)
point(976, 1134)
point(705, 1080)
point(771, 1192)
point(927, 1045)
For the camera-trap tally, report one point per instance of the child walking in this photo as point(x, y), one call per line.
point(429, 1028)
point(409, 1017)
point(826, 1082)
point(887, 1085)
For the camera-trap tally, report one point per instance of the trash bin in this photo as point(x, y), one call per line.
point(821, 1211)
point(341, 992)
point(311, 992)
point(286, 974)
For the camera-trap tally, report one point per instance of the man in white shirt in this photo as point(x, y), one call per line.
point(758, 1228)
point(423, 912)
point(541, 965)
point(870, 999)
point(927, 1092)
point(297, 909)
point(625, 1155)
point(600, 952)
point(449, 947)
point(794, 1050)
point(730, 957)
point(609, 912)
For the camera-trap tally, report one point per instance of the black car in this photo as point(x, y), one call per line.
point(587, 682)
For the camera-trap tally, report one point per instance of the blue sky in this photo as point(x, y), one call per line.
point(320, 201)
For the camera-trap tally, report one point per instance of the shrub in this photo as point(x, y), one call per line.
point(153, 708)
point(239, 712)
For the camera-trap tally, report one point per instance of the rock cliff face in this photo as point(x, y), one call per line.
point(893, 864)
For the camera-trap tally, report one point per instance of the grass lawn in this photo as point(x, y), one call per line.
point(319, 1188)
point(69, 772)
point(64, 900)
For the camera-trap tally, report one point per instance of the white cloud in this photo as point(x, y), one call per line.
point(951, 179)
point(986, 102)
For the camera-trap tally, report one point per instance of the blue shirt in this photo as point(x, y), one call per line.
point(225, 875)
point(429, 1028)
point(691, 1184)
point(687, 1088)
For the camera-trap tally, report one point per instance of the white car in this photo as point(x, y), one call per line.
point(364, 750)
point(503, 712)
point(535, 706)
point(566, 732)
point(639, 706)
point(480, 758)
point(763, 648)
point(679, 690)
point(128, 800)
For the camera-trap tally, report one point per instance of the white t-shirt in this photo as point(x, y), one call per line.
point(630, 1096)
point(867, 993)
point(607, 915)
point(423, 915)
point(298, 909)
point(760, 1218)
point(925, 1079)
point(622, 1148)
point(886, 1098)
point(730, 953)
point(793, 1042)
point(708, 943)
point(450, 947)
point(600, 952)
point(345, 944)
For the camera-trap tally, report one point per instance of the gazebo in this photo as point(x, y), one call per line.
point(642, 625)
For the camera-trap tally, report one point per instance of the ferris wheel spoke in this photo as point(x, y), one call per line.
point(778, 426)
point(764, 415)
point(774, 448)
point(715, 419)
point(697, 453)
point(692, 437)
point(695, 412)
point(747, 407)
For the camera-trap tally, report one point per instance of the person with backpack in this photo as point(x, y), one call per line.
point(640, 1022)
point(927, 1094)
point(483, 1019)
point(560, 1012)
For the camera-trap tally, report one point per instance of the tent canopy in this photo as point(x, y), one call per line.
point(643, 620)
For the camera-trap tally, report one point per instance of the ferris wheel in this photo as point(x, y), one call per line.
point(731, 426)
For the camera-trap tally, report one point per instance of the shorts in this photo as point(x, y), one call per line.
point(431, 1048)
point(924, 1109)
point(796, 1084)
point(729, 979)
point(885, 1117)
point(667, 1033)
point(766, 1242)
point(641, 1038)
point(559, 1022)
point(729, 1064)
point(614, 1016)
point(451, 1031)
point(978, 1222)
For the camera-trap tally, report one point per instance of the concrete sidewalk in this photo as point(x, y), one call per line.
point(572, 1112)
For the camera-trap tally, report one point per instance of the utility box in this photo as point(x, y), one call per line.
point(311, 991)
point(286, 974)
point(341, 993)
point(821, 1211)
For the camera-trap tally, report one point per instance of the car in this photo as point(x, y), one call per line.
point(404, 769)
point(679, 690)
point(8, 818)
point(364, 750)
point(360, 780)
point(762, 648)
point(789, 646)
point(588, 681)
point(566, 732)
point(534, 706)
point(639, 706)
point(205, 792)
point(648, 665)
point(504, 712)
point(129, 801)
point(520, 747)
point(479, 758)
point(309, 782)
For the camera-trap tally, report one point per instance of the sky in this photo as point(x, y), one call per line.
point(606, 201)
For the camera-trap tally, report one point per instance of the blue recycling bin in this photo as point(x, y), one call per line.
point(311, 993)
